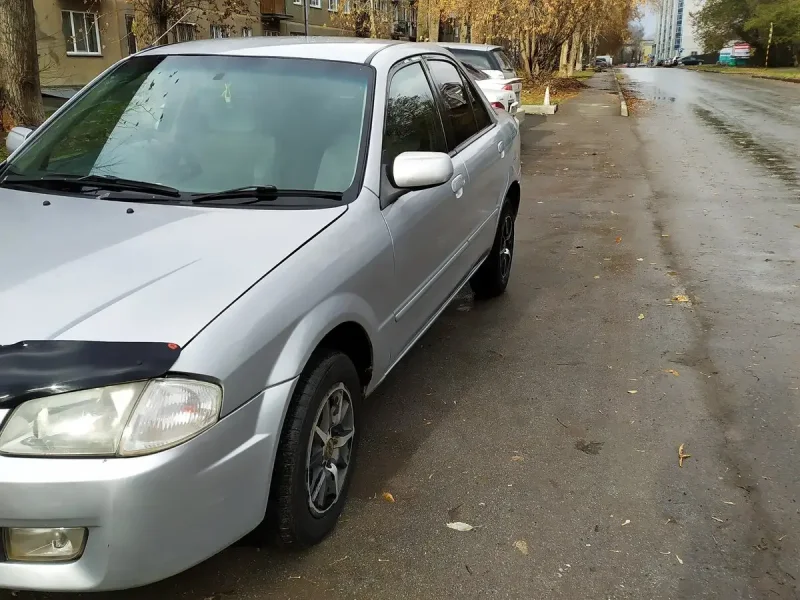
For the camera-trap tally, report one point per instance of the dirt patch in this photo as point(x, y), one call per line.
point(561, 88)
point(633, 97)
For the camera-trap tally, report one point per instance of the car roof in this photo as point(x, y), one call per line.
point(464, 46)
point(345, 49)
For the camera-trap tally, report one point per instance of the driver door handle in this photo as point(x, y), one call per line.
point(458, 185)
point(501, 148)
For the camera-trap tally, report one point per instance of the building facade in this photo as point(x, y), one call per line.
point(674, 33)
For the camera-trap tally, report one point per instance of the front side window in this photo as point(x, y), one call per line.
point(205, 124)
point(412, 121)
point(81, 32)
point(458, 111)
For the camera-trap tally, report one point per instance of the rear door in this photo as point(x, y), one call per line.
point(473, 137)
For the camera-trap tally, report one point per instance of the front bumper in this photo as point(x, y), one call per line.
point(148, 517)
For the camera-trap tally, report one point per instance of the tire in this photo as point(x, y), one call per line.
point(305, 518)
point(492, 277)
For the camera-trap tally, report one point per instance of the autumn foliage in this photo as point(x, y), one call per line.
point(541, 35)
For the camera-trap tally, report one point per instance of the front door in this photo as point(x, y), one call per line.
point(429, 228)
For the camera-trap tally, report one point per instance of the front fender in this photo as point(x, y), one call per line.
point(319, 322)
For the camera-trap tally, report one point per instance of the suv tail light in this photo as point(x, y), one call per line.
point(508, 87)
point(498, 106)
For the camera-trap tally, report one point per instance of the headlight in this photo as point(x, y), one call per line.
point(124, 420)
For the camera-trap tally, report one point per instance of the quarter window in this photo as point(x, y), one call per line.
point(457, 108)
point(81, 32)
point(412, 121)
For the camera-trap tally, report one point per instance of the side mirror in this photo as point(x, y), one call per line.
point(15, 138)
point(420, 170)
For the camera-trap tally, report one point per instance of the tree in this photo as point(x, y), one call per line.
point(20, 91)
point(153, 18)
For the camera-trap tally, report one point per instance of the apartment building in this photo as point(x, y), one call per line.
point(674, 33)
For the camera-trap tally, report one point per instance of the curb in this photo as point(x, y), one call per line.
point(538, 109)
point(623, 106)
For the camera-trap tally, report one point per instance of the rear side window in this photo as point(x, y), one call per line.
point(482, 117)
point(457, 106)
point(502, 58)
point(412, 120)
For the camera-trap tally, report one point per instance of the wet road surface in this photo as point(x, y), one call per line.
point(550, 418)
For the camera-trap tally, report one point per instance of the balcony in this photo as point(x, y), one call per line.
point(274, 8)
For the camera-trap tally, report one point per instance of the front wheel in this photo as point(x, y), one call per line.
point(492, 277)
point(317, 450)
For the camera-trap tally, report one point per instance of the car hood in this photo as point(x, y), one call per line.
point(86, 269)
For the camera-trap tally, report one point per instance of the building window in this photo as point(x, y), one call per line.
point(315, 3)
point(183, 32)
point(218, 32)
point(247, 32)
point(299, 2)
point(347, 7)
point(333, 5)
point(129, 37)
point(81, 33)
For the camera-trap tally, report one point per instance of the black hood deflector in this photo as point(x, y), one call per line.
point(44, 368)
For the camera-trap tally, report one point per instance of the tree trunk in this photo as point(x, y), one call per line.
point(579, 57)
point(528, 49)
point(20, 91)
point(573, 51)
point(562, 62)
point(373, 30)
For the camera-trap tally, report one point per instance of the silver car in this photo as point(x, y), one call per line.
point(210, 257)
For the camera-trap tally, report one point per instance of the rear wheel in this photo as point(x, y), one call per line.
point(317, 450)
point(492, 277)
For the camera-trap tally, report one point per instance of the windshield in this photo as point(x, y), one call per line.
point(476, 58)
point(205, 124)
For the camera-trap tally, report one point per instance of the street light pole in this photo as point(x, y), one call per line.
point(305, 16)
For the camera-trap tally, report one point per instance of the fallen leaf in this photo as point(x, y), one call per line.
point(679, 559)
point(597, 276)
point(641, 316)
point(459, 526)
point(618, 240)
point(627, 522)
point(632, 391)
point(664, 235)
point(729, 503)
point(517, 458)
point(681, 298)
point(682, 456)
point(718, 519)
point(639, 259)
point(388, 497)
point(522, 546)
point(672, 372)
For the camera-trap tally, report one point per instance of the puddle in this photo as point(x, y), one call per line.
point(772, 161)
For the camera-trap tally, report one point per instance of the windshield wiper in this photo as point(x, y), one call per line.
point(100, 181)
point(262, 193)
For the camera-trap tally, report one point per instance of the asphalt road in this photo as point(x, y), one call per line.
point(519, 416)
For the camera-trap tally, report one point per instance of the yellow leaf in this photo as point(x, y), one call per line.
point(672, 372)
point(641, 316)
point(388, 497)
point(681, 298)
point(632, 391)
point(522, 546)
point(618, 240)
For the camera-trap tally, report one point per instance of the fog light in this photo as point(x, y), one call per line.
point(51, 544)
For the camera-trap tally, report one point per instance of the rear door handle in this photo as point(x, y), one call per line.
point(458, 185)
point(501, 148)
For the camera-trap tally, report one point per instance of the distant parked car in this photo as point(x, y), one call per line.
point(499, 92)
point(490, 59)
point(691, 61)
point(600, 64)
point(660, 63)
